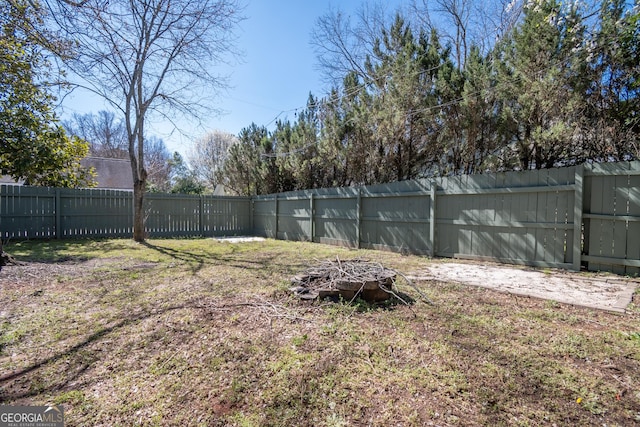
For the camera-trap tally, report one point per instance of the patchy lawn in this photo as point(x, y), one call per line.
point(200, 332)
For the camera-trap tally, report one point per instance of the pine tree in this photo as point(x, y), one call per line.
point(478, 122)
point(243, 171)
point(404, 70)
point(537, 91)
point(612, 120)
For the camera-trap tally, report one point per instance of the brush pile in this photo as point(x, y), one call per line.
point(6, 259)
point(349, 279)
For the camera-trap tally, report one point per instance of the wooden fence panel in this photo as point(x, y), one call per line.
point(552, 217)
point(612, 217)
point(515, 211)
point(178, 215)
point(264, 216)
point(633, 230)
point(172, 215)
point(447, 209)
point(518, 217)
point(529, 215)
point(294, 215)
point(95, 213)
point(396, 221)
point(621, 208)
point(336, 220)
point(601, 202)
point(226, 216)
point(560, 212)
point(38, 212)
point(27, 212)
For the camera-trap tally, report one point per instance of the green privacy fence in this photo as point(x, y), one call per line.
point(566, 217)
point(39, 212)
point(587, 215)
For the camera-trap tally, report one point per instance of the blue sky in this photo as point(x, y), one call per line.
point(277, 71)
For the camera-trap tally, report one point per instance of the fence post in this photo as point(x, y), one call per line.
point(58, 204)
point(252, 212)
point(201, 215)
point(275, 226)
point(311, 221)
point(432, 218)
point(577, 218)
point(358, 217)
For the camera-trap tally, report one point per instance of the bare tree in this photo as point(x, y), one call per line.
point(342, 43)
point(208, 154)
point(158, 164)
point(105, 134)
point(455, 15)
point(148, 58)
point(467, 23)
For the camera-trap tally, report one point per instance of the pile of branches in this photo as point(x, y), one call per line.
point(329, 274)
point(350, 279)
point(6, 259)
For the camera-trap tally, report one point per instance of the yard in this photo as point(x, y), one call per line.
point(201, 332)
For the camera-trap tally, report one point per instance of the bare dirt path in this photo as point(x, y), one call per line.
point(601, 291)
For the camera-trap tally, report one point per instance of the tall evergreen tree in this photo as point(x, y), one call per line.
point(546, 93)
point(536, 83)
point(478, 122)
point(611, 122)
point(303, 147)
point(243, 171)
point(403, 71)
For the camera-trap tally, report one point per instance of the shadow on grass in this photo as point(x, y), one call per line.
point(197, 260)
point(56, 251)
point(232, 258)
point(13, 385)
point(286, 261)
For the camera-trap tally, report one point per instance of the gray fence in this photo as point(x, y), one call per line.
point(563, 218)
point(584, 215)
point(37, 212)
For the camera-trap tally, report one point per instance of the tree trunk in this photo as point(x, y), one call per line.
point(138, 211)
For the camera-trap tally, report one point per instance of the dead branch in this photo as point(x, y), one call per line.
point(268, 309)
point(415, 288)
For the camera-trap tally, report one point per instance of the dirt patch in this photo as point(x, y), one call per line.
point(599, 291)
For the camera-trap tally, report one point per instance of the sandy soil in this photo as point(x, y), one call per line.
point(239, 239)
point(606, 292)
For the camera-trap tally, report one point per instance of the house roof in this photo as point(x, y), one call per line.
point(114, 174)
point(111, 173)
point(8, 180)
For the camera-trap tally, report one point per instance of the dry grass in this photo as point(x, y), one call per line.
point(195, 332)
